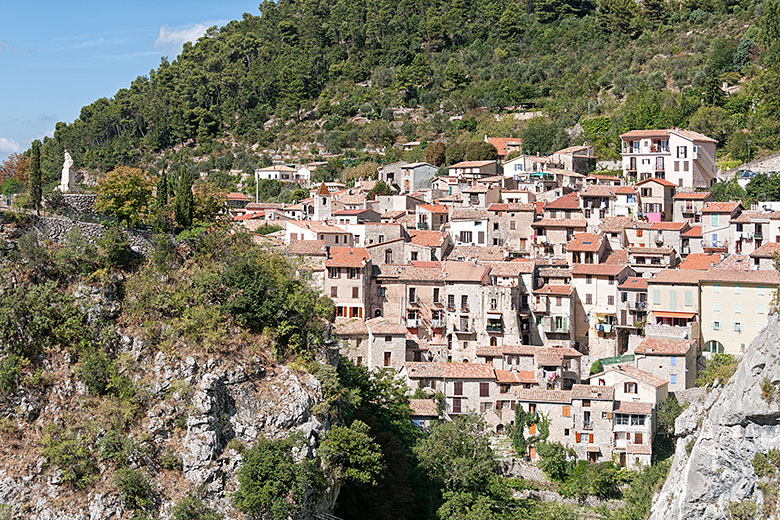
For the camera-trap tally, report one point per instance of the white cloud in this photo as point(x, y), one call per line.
point(177, 37)
point(9, 145)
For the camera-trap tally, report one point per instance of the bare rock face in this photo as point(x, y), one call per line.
point(718, 437)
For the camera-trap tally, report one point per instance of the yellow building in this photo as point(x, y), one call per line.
point(734, 308)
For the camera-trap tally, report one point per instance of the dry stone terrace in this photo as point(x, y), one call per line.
point(500, 284)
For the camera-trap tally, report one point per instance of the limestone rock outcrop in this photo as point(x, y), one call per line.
point(718, 437)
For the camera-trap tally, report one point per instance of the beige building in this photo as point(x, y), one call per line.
point(465, 308)
point(734, 308)
point(554, 234)
point(716, 223)
point(510, 226)
point(554, 312)
point(688, 205)
point(673, 304)
point(467, 387)
point(633, 385)
point(656, 197)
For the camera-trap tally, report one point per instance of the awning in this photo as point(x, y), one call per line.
point(670, 314)
point(495, 311)
point(592, 449)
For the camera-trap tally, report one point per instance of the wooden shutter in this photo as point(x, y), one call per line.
point(532, 429)
point(578, 435)
point(590, 438)
point(566, 411)
point(638, 438)
point(609, 415)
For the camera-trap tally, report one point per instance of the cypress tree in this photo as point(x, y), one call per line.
point(184, 205)
point(162, 189)
point(34, 179)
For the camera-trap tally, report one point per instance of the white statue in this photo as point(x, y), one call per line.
point(68, 176)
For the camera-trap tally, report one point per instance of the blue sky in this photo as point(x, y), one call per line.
point(56, 57)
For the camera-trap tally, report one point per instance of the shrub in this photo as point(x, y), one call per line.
point(71, 452)
point(270, 483)
point(351, 454)
point(192, 508)
point(718, 368)
point(134, 487)
point(96, 371)
point(554, 460)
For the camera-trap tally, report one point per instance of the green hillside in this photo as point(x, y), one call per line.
point(331, 76)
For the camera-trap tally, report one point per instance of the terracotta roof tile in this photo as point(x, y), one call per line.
point(308, 247)
point(423, 407)
point(585, 242)
point(767, 250)
point(427, 238)
point(598, 269)
point(638, 373)
point(639, 449)
point(640, 134)
point(667, 250)
point(467, 371)
point(469, 214)
point(347, 257)
point(464, 272)
point(633, 407)
point(673, 276)
point(555, 290)
point(477, 253)
point(561, 223)
point(237, 196)
point(502, 144)
point(698, 195)
point(664, 346)
point(635, 283)
point(596, 393)
point(381, 325)
point(472, 164)
point(769, 277)
point(669, 226)
point(506, 377)
point(323, 190)
point(425, 369)
point(349, 327)
point(700, 261)
point(434, 208)
point(511, 207)
point(694, 232)
point(409, 272)
point(510, 268)
point(720, 207)
point(662, 182)
point(598, 190)
point(619, 257)
point(568, 201)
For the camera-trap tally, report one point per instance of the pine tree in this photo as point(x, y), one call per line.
point(162, 189)
point(34, 179)
point(183, 207)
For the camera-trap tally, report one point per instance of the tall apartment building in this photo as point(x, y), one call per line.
point(683, 157)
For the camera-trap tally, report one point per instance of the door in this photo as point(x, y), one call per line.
point(622, 459)
point(624, 317)
point(592, 457)
point(456, 406)
point(532, 453)
point(638, 438)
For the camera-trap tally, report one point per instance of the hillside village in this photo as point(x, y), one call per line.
point(537, 282)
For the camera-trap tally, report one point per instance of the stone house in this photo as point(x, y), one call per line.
point(510, 226)
point(355, 216)
point(631, 310)
point(465, 308)
point(555, 405)
point(554, 234)
point(647, 261)
point(416, 176)
point(431, 216)
point(388, 252)
point(467, 387)
point(587, 248)
point(351, 334)
point(312, 255)
point(671, 359)
point(348, 280)
point(387, 346)
point(687, 205)
point(749, 231)
point(673, 304)
point(567, 206)
point(506, 296)
point(378, 232)
point(691, 241)
point(543, 367)
point(334, 236)
point(764, 257)
point(429, 245)
point(591, 408)
point(554, 314)
point(633, 385)
point(470, 227)
point(473, 170)
point(480, 196)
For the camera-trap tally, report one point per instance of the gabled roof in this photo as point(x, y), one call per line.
point(427, 238)
point(694, 232)
point(467, 371)
point(700, 261)
point(502, 143)
point(561, 223)
point(669, 226)
point(497, 206)
point(599, 190)
point(666, 250)
point(632, 407)
point(569, 201)
point(384, 326)
point(693, 136)
point(535, 395)
point(592, 392)
point(237, 196)
point(768, 277)
point(469, 214)
point(423, 407)
point(664, 346)
point(323, 190)
point(464, 271)
point(662, 182)
point(350, 327)
point(308, 247)
point(472, 164)
point(434, 208)
point(676, 276)
point(614, 224)
point(642, 134)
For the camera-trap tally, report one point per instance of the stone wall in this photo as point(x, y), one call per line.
point(79, 202)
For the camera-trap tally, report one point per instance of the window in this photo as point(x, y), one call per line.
point(566, 432)
point(333, 272)
point(457, 388)
point(674, 361)
point(353, 272)
point(611, 280)
point(737, 289)
point(388, 358)
point(388, 339)
point(714, 347)
point(512, 225)
point(414, 256)
point(685, 169)
point(456, 405)
point(630, 388)
point(464, 301)
point(673, 379)
point(637, 420)
point(388, 256)
point(558, 301)
point(673, 300)
point(610, 300)
point(716, 289)
point(760, 290)
point(465, 236)
point(484, 389)
point(586, 404)
point(435, 295)
point(656, 297)
point(714, 219)
point(715, 325)
point(737, 308)
point(566, 411)
point(737, 326)
point(623, 296)
point(359, 361)
point(355, 292)
point(621, 418)
point(588, 299)
point(451, 301)
point(381, 239)
point(760, 308)
point(688, 299)
point(412, 295)
point(334, 292)
point(588, 279)
point(682, 152)
point(381, 292)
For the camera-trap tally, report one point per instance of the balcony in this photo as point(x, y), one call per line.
point(422, 225)
point(437, 324)
point(494, 327)
point(758, 235)
point(640, 306)
point(464, 308)
point(412, 323)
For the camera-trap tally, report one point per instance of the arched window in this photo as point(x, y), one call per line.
point(493, 341)
point(377, 313)
point(714, 347)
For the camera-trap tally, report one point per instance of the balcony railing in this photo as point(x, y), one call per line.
point(640, 305)
point(422, 225)
point(437, 324)
point(494, 327)
point(412, 323)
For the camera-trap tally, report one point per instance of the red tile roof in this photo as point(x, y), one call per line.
point(596, 393)
point(568, 201)
point(675, 276)
point(472, 164)
point(556, 290)
point(639, 134)
point(347, 257)
point(323, 190)
point(501, 144)
point(511, 207)
point(434, 208)
point(625, 190)
point(585, 242)
point(634, 282)
point(467, 371)
point(700, 261)
point(687, 195)
point(382, 325)
point(536, 395)
point(768, 277)
point(423, 407)
point(561, 222)
point(614, 224)
point(767, 250)
point(427, 238)
point(669, 226)
point(619, 257)
point(720, 207)
point(237, 196)
point(308, 247)
point(632, 407)
point(694, 232)
point(664, 346)
point(662, 182)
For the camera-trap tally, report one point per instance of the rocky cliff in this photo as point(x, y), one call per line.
point(718, 437)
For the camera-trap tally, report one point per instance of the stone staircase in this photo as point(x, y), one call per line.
point(502, 447)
